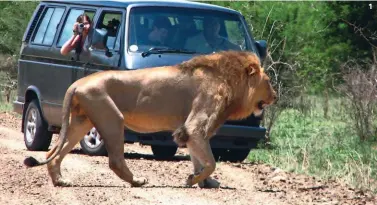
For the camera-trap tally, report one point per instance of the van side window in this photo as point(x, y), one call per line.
point(48, 26)
point(68, 24)
point(110, 21)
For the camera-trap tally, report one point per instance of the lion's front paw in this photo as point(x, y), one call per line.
point(62, 182)
point(190, 180)
point(209, 183)
point(139, 181)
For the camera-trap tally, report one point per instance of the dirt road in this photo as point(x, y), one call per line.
point(95, 183)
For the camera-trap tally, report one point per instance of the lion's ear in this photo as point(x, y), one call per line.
point(253, 68)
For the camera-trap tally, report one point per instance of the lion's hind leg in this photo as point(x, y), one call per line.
point(109, 122)
point(113, 137)
point(78, 127)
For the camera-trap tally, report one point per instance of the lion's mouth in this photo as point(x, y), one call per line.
point(261, 105)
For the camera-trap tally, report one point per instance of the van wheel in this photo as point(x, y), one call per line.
point(163, 152)
point(92, 144)
point(36, 134)
point(231, 155)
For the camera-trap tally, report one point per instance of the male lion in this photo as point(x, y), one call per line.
point(192, 100)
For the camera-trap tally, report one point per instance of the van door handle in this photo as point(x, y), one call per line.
point(86, 68)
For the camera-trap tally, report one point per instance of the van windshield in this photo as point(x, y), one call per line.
point(196, 30)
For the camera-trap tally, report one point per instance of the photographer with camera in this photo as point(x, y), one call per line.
point(80, 32)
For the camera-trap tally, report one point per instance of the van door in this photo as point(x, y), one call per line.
point(107, 55)
point(66, 68)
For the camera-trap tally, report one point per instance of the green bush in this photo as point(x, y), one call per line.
point(329, 148)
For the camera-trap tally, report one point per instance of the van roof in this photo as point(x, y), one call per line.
point(125, 3)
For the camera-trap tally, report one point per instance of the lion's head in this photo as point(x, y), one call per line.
point(246, 84)
point(261, 92)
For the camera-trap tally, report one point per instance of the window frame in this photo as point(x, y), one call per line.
point(119, 32)
point(41, 18)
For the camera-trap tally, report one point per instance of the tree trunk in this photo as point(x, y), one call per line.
point(326, 104)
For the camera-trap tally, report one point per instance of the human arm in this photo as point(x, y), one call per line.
point(71, 43)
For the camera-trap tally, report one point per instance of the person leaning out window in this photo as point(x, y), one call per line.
point(80, 32)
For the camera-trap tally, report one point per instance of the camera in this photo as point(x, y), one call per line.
point(80, 28)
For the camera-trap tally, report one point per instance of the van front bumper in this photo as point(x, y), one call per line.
point(227, 136)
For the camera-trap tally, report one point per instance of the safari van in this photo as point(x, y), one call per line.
point(44, 74)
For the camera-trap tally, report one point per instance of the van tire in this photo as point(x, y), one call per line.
point(231, 155)
point(36, 134)
point(164, 152)
point(93, 147)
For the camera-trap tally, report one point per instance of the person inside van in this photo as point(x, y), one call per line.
point(80, 32)
point(185, 30)
point(159, 35)
point(209, 40)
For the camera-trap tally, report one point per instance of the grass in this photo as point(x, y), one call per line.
point(5, 106)
point(327, 148)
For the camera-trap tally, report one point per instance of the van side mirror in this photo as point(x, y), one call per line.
point(99, 39)
point(262, 48)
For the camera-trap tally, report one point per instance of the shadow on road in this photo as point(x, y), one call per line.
point(133, 155)
point(177, 157)
point(149, 186)
point(152, 157)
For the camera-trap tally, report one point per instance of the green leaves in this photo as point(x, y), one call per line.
point(14, 17)
point(313, 35)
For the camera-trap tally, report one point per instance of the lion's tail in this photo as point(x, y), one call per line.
point(31, 161)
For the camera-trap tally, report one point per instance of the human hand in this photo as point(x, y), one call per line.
point(84, 30)
point(75, 27)
point(87, 27)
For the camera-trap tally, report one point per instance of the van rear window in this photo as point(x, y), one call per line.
point(47, 28)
